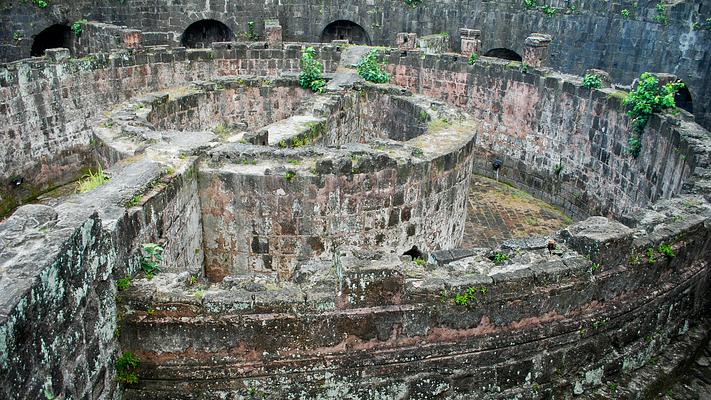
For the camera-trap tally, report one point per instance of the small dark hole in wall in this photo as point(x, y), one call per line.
point(415, 253)
point(683, 100)
point(266, 45)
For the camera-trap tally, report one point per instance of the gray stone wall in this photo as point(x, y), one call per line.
point(540, 325)
point(537, 120)
point(239, 106)
point(97, 37)
point(265, 211)
point(58, 267)
point(587, 33)
point(47, 103)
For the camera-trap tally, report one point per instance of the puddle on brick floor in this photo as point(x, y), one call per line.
point(497, 212)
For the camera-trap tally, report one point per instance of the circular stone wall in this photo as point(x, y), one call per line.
point(394, 171)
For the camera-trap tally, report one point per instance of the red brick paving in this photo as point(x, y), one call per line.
point(498, 212)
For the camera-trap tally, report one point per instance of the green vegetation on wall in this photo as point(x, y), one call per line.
point(369, 68)
point(647, 98)
point(592, 81)
point(311, 75)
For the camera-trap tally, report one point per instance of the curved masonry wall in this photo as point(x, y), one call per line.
point(604, 303)
point(239, 107)
point(548, 329)
point(48, 103)
point(536, 120)
point(380, 182)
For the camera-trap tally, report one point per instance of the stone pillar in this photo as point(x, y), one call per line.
point(406, 41)
point(272, 31)
point(470, 41)
point(434, 44)
point(535, 52)
point(57, 55)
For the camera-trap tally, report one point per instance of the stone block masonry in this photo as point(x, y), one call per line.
point(538, 120)
point(47, 103)
point(589, 33)
point(58, 319)
point(97, 37)
point(354, 318)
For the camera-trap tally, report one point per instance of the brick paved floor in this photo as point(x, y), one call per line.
point(498, 212)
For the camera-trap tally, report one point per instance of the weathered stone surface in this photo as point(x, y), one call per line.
point(370, 324)
point(600, 239)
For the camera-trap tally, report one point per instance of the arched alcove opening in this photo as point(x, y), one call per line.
point(203, 33)
point(505, 54)
point(55, 36)
point(345, 30)
point(683, 100)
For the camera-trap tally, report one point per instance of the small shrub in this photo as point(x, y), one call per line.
point(594, 267)
point(646, 99)
point(530, 4)
point(524, 68)
point(150, 263)
point(651, 258)
point(76, 27)
point(473, 58)
point(500, 258)
point(92, 180)
point(289, 176)
point(123, 283)
point(558, 168)
point(666, 250)
point(549, 11)
point(420, 262)
point(626, 14)
point(134, 201)
point(311, 75)
point(221, 130)
point(591, 81)
point(192, 280)
point(126, 366)
point(251, 33)
point(16, 36)
point(41, 3)
point(469, 296)
point(370, 70)
point(661, 16)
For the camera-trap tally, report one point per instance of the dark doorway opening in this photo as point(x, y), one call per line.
point(345, 30)
point(683, 100)
point(203, 33)
point(55, 36)
point(505, 54)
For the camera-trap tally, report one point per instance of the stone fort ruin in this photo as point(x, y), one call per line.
point(324, 200)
